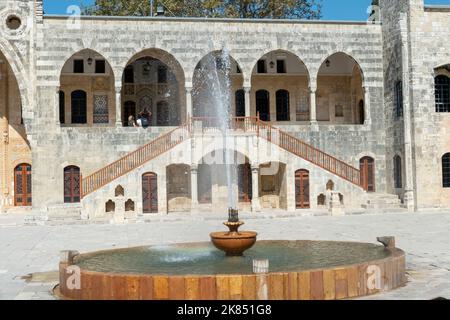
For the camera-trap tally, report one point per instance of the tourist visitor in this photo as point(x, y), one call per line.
point(147, 115)
point(131, 121)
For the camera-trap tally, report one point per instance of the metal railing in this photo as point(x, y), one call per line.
point(204, 125)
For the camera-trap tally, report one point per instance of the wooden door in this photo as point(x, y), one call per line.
point(150, 193)
point(245, 182)
point(302, 189)
point(367, 167)
point(71, 184)
point(22, 185)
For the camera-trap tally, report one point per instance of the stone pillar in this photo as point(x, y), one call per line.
point(256, 206)
point(118, 107)
point(189, 105)
point(407, 116)
point(57, 109)
point(194, 187)
point(367, 116)
point(247, 101)
point(313, 108)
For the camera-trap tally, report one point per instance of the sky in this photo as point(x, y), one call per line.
point(331, 9)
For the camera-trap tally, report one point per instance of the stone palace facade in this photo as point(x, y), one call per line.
point(337, 116)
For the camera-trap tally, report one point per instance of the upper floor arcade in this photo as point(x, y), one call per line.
point(176, 68)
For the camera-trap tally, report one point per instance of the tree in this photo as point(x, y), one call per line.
point(276, 9)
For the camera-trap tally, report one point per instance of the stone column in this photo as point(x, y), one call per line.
point(407, 116)
point(247, 101)
point(57, 109)
point(118, 107)
point(256, 206)
point(313, 108)
point(189, 106)
point(194, 187)
point(367, 117)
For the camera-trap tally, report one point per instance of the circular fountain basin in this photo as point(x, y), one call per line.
point(299, 270)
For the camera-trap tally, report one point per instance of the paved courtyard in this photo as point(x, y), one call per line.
point(26, 250)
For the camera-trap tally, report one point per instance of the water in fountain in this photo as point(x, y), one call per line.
point(213, 77)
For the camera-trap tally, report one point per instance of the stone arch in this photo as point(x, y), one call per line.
point(98, 85)
point(216, 49)
point(292, 75)
point(68, 56)
point(287, 52)
point(212, 179)
point(161, 74)
point(349, 54)
point(18, 69)
point(165, 55)
point(211, 147)
point(340, 90)
point(228, 78)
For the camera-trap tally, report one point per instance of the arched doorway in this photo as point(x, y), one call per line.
point(245, 182)
point(239, 101)
point(79, 107)
point(302, 189)
point(22, 185)
point(367, 167)
point(149, 193)
point(71, 184)
point(282, 98)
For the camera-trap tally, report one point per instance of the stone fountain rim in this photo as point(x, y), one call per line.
point(393, 253)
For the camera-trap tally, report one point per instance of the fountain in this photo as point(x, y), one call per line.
point(234, 242)
point(291, 270)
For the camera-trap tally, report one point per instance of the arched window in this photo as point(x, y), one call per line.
point(398, 172)
point(282, 105)
point(62, 102)
point(446, 170)
point(240, 103)
point(263, 104)
point(71, 184)
point(79, 107)
point(442, 93)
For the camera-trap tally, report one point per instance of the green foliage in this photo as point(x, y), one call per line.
point(276, 9)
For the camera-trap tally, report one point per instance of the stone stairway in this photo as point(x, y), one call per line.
point(64, 212)
point(382, 201)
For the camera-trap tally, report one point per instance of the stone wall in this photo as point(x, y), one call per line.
point(119, 39)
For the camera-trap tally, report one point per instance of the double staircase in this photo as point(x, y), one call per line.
point(247, 125)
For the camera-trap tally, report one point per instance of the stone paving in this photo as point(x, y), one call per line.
point(35, 250)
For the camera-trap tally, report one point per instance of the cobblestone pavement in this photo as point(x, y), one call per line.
point(26, 250)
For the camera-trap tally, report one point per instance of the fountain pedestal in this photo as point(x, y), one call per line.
point(234, 242)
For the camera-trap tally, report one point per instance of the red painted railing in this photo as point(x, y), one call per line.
point(308, 152)
point(205, 125)
point(134, 160)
